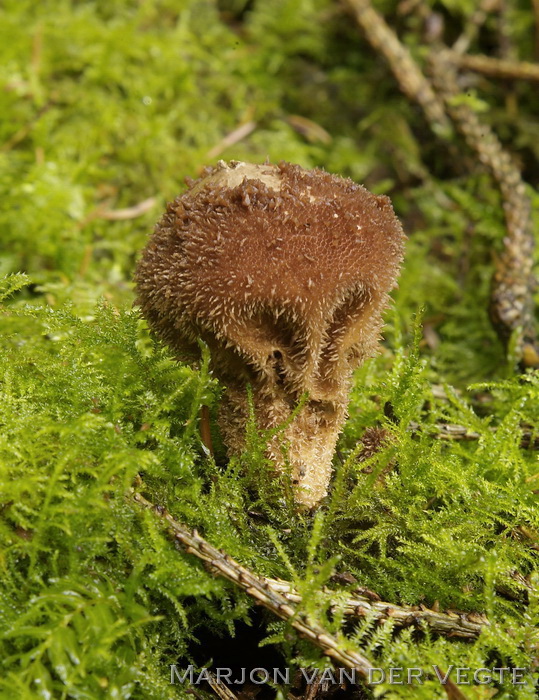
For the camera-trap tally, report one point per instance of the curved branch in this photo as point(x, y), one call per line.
point(281, 598)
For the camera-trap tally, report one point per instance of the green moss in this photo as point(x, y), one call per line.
point(105, 104)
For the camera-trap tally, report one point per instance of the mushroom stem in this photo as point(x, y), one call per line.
point(307, 443)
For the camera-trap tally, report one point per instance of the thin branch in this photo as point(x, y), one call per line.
point(256, 587)
point(220, 689)
point(496, 67)
point(281, 598)
point(451, 431)
point(451, 623)
point(511, 304)
point(231, 139)
point(205, 430)
point(123, 214)
point(474, 24)
point(409, 76)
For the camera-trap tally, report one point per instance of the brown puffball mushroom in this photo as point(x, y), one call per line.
point(284, 273)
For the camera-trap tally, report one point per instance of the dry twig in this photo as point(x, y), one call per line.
point(496, 67)
point(451, 431)
point(257, 587)
point(220, 689)
point(280, 597)
point(123, 214)
point(451, 624)
point(409, 76)
point(511, 304)
point(473, 25)
point(232, 138)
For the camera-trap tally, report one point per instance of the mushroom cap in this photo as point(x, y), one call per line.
point(278, 268)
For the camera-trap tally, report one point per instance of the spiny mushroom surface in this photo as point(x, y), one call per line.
point(284, 273)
